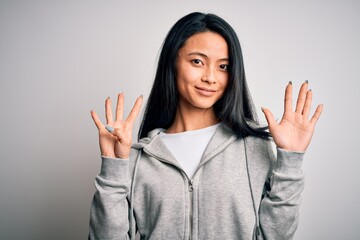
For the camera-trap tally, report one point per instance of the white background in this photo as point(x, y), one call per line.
point(60, 59)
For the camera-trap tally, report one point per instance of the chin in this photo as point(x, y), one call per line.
point(199, 102)
point(202, 105)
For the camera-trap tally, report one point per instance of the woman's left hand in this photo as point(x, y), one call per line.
point(294, 131)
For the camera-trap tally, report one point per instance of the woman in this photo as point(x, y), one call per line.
point(203, 168)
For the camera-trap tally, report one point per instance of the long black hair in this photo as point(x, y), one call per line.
point(235, 109)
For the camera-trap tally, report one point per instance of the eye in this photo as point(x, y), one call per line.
point(196, 61)
point(224, 67)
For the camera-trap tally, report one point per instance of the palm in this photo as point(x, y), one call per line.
point(294, 131)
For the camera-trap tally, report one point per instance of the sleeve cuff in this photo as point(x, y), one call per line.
point(114, 169)
point(289, 162)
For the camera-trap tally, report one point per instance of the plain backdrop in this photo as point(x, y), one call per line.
point(60, 59)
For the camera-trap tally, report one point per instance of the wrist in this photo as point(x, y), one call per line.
point(291, 148)
point(123, 155)
point(108, 154)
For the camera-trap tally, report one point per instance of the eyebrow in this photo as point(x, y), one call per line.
point(205, 56)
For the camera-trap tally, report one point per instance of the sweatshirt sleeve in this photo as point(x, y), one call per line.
point(279, 208)
point(109, 213)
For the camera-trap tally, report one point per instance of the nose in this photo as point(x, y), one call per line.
point(209, 76)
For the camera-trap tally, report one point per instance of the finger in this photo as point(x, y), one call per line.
point(307, 104)
point(109, 117)
point(96, 120)
point(269, 117)
point(317, 114)
point(135, 110)
point(288, 98)
point(301, 97)
point(120, 107)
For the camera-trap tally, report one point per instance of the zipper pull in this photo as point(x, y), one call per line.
point(191, 185)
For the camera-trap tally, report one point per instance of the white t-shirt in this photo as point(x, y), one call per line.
point(188, 147)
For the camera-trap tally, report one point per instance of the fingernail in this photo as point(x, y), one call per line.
point(110, 129)
point(108, 97)
point(142, 96)
point(310, 90)
point(290, 82)
point(306, 81)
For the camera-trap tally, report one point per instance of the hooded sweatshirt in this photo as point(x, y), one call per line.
point(240, 190)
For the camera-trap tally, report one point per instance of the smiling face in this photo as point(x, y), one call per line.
point(202, 70)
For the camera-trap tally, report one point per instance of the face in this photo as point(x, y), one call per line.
point(202, 70)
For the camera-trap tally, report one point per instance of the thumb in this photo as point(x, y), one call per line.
point(269, 116)
point(115, 132)
point(122, 137)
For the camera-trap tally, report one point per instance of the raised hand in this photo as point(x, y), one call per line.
point(116, 143)
point(294, 131)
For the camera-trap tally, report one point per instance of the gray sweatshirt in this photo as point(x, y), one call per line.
point(240, 190)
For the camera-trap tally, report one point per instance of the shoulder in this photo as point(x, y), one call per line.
point(259, 151)
point(257, 143)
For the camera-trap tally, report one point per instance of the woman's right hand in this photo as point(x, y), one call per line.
point(117, 144)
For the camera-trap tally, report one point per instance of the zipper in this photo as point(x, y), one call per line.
point(190, 190)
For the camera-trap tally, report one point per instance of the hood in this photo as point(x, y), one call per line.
point(145, 141)
point(153, 145)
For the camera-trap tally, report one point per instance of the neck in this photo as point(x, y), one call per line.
point(190, 118)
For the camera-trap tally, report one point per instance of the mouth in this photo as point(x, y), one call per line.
point(205, 89)
point(206, 92)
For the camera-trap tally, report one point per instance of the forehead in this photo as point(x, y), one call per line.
point(206, 42)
